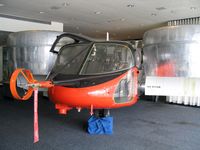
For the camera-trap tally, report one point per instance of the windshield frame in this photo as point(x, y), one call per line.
point(89, 49)
point(52, 74)
point(132, 50)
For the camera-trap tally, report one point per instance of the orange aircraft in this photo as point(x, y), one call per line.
point(87, 74)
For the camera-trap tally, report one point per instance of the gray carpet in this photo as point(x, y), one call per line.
point(144, 126)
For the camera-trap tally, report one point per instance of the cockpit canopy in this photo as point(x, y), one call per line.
point(88, 58)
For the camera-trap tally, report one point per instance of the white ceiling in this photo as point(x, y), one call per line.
point(96, 17)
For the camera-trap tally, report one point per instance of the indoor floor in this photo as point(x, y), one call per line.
point(144, 126)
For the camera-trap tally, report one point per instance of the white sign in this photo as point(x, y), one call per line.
point(172, 86)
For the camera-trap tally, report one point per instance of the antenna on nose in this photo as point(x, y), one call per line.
point(107, 36)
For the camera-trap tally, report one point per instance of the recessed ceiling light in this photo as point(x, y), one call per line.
point(153, 14)
point(160, 8)
point(2, 5)
point(122, 19)
point(65, 4)
point(97, 12)
point(193, 8)
point(55, 7)
point(110, 21)
point(130, 5)
point(41, 12)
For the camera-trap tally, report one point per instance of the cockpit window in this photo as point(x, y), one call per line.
point(69, 60)
point(91, 59)
point(63, 41)
point(106, 58)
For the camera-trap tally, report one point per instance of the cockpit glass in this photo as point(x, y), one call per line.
point(91, 59)
point(69, 60)
point(107, 58)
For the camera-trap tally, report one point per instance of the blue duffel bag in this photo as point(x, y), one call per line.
point(102, 125)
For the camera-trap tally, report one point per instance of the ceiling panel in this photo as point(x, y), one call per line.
point(123, 19)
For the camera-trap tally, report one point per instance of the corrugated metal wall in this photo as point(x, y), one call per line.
point(1, 64)
point(3, 39)
point(186, 21)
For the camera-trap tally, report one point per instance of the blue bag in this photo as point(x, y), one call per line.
point(100, 125)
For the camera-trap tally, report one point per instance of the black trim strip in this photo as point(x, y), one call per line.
point(87, 78)
point(77, 38)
